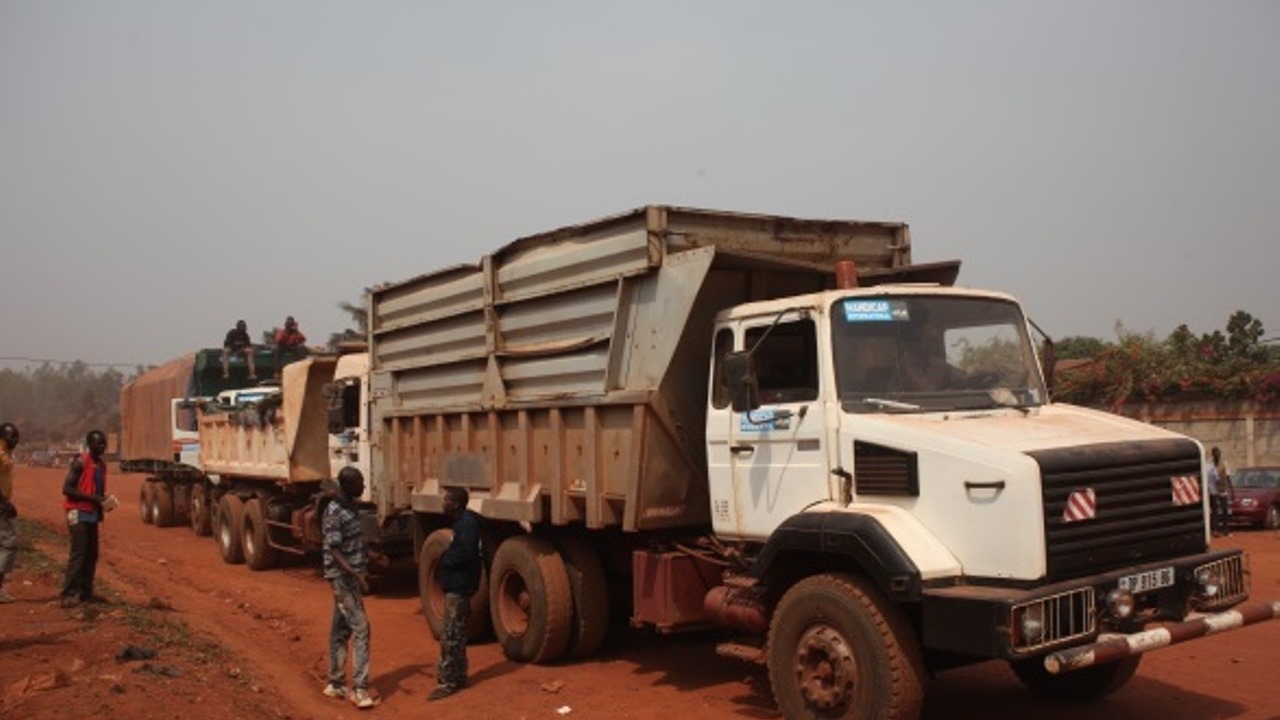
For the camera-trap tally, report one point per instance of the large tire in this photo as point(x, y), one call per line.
point(1085, 685)
point(259, 554)
point(432, 597)
point(162, 504)
point(837, 649)
point(201, 512)
point(146, 502)
point(231, 528)
point(530, 600)
point(590, 590)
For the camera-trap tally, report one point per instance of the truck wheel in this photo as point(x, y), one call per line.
point(146, 506)
point(258, 552)
point(837, 649)
point(590, 592)
point(432, 597)
point(530, 600)
point(1084, 685)
point(231, 528)
point(162, 504)
point(1272, 520)
point(182, 503)
point(199, 512)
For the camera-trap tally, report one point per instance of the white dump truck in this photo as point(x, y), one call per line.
point(785, 428)
point(776, 426)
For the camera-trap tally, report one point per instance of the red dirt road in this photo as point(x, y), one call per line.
point(276, 624)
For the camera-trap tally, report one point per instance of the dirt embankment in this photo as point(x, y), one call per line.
point(232, 643)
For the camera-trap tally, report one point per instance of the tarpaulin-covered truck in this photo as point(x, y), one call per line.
point(855, 466)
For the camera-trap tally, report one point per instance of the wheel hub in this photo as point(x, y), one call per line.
point(825, 668)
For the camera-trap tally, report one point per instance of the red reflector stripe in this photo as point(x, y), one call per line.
point(1081, 505)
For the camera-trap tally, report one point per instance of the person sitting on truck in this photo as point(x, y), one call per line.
point(291, 344)
point(237, 340)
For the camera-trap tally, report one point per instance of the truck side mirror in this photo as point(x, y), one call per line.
point(1048, 359)
point(740, 373)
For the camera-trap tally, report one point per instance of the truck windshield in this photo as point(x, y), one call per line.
point(930, 353)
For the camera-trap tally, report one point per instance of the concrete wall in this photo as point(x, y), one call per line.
point(1247, 433)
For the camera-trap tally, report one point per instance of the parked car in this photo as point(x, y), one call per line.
point(1257, 496)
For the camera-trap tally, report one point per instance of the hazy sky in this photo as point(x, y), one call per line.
point(167, 167)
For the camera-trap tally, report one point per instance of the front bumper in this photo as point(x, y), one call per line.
point(1112, 647)
point(986, 621)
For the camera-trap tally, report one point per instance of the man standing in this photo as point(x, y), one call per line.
point(8, 512)
point(345, 567)
point(238, 340)
point(291, 344)
point(460, 569)
point(1220, 485)
point(84, 491)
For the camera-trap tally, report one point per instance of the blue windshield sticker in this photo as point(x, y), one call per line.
point(875, 311)
point(764, 421)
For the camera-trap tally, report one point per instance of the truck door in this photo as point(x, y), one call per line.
point(772, 457)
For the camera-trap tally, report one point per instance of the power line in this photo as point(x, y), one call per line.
point(55, 361)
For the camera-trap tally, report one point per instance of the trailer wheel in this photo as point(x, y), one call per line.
point(432, 596)
point(1084, 685)
point(258, 551)
point(530, 600)
point(590, 592)
point(162, 504)
point(200, 513)
point(837, 649)
point(146, 507)
point(231, 528)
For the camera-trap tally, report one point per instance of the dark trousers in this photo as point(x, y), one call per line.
point(1221, 513)
point(452, 671)
point(83, 562)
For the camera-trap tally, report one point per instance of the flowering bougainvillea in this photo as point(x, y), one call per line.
point(1236, 365)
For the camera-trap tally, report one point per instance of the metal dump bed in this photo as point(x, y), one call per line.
point(564, 377)
point(283, 437)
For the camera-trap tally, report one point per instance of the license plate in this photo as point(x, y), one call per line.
point(1149, 580)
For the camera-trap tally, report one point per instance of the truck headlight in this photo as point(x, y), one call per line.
point(1208, 582)
point(1032, 624)
point(1120, 603)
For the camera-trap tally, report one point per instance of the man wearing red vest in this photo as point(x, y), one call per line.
point(84, 492)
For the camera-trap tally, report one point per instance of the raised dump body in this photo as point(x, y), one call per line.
point(282, 438)
point(563, 379)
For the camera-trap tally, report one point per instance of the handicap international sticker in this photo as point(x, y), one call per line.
point(875, 311)
point(763, 421)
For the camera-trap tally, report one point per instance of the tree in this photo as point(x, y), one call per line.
point(1234, 365)
point(1078, 347)
point(358, 312)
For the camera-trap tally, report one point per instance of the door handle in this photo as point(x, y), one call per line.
point(742, 449)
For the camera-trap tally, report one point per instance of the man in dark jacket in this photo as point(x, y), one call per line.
point(460, 569)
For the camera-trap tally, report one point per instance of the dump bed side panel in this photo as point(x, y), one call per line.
point(283, 438)
point(563, 378)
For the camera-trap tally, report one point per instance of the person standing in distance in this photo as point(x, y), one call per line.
point(1220, 486)
point(460, 568)
point(83, 493)
point(8, 512)
point(346, 568)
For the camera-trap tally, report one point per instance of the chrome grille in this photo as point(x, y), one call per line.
point(1065, 616)
point(1233, 578)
